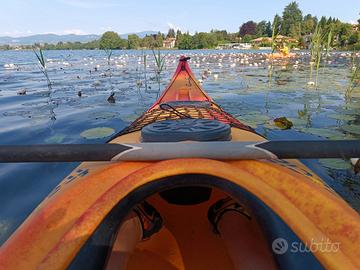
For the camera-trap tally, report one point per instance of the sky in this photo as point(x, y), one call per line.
point(28, 17)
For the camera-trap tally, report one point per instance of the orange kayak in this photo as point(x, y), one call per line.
point(188, 213)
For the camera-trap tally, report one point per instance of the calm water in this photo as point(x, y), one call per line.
point(238, 82)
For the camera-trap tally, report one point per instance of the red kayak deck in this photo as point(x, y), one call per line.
point(182, 87)
point(184, 98)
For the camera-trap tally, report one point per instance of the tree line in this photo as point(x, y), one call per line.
point(293, 23)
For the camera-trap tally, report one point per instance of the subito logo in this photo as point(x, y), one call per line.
point(280, 246)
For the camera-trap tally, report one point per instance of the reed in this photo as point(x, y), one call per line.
point(109, 53)
point(276, 26)
point(43, 68)
point(328, 43)
point(159, 67)
point(354, 76)
point(320, 41)
point(144, 57)
point(42, 65)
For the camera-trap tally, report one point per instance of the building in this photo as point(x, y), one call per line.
point(169, 43)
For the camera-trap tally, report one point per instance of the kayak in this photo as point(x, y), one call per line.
point(188, 213)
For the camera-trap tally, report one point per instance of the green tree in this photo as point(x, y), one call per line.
point(323, 22)
point(291, 20)
point(148, 41)
point(204, 40)
point(261, 29)
point(159, 40)
point(247, 38)
point(308, 24)
point(111, 40)
point(220, 35)
point(276, 25)
point(186, 42)
point(133, 41)
point(179, 37)
point(354, 38)
point(171, 33)
point(268, 31)
point(344, 33)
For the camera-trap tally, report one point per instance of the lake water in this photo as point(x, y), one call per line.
point(238, 82)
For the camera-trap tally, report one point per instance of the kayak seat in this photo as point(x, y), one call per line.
point(188, 129)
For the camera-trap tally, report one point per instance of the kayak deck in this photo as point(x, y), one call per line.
point(182, 87)
point(178, 110)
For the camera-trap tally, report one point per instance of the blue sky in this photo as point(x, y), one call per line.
point(27, 17)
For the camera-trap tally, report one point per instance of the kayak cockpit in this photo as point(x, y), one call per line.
point(189, 206)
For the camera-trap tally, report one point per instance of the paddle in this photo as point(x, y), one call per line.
point(222, 150)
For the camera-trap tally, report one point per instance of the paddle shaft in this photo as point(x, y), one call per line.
point(171, 150)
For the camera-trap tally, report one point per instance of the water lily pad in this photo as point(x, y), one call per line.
point(57, 138)
point(351, 128)
point(342, 117)
point(97, 133)
point(334, 163)
point(298, 122)
point(255, 118)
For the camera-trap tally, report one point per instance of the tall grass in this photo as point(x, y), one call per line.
point(42, 65)
point(315, 52)
point(159, 66)
point(354, 76)
point(144, 56)
point(328, 43)
point(109, 53)
point(320, 41)
point(276, 26)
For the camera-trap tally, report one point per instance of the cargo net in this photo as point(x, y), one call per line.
point(181, 110)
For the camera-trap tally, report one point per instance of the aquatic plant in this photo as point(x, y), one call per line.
point(42, 65)
point(320, 40)
point(159, 65)
point(328, 43)
point(276, 26)
point(97, 133)
point(354, 76)
point(145, 66)
point(109, 53)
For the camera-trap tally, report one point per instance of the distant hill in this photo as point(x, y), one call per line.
point(139, 34)
point(53, 38)
point(46, 38)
